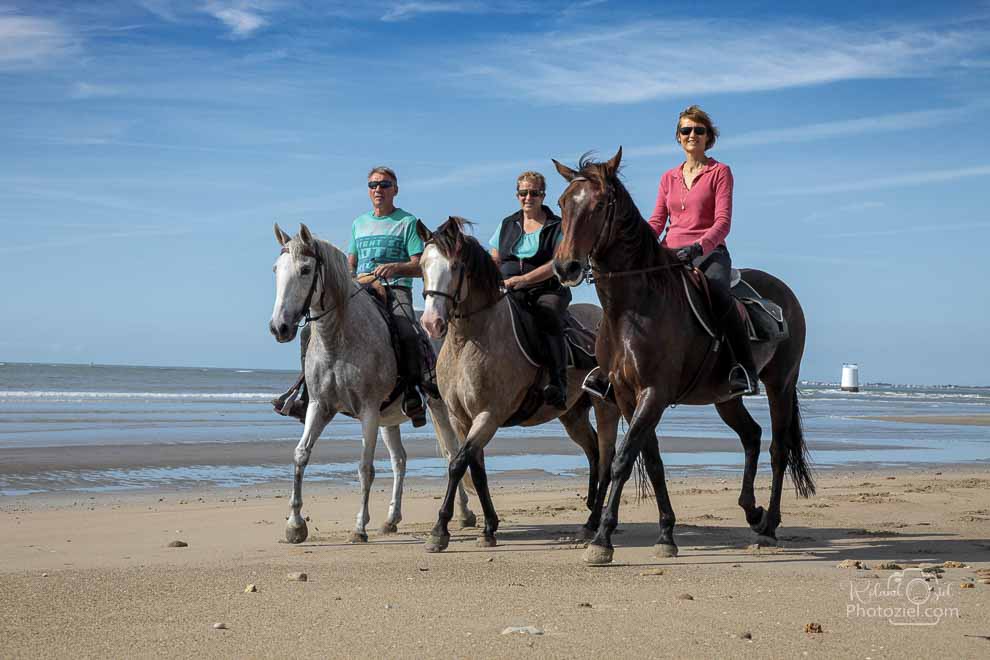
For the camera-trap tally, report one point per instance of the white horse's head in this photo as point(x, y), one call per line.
point(438, 290)
point(312, 277)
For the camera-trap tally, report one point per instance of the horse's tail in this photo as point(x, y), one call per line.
point(797, 452)
point(644, 487)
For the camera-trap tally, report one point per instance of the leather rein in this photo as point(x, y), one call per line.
point(456, 299)
point(593, 272)
point(309, 318)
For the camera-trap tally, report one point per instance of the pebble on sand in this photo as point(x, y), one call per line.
point(178, 544)
point(523, 630)
point(813, 628)
point(250, 589)
point(853, 563)
point(44, 575)
point(298, 577)
point(652, 571)
point(888, 566)
point(953, 564)
point(219, 626)
point(685, 597)
point(587, 605)
point(967, 585)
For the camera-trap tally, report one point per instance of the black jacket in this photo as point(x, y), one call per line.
point(512, 231)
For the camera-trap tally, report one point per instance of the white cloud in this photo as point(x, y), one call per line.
point(26, 41)
point(647, 60)
point(85, 90)
point(874, 183)
point(402, 11)
point(243, 18)
point(917, 229)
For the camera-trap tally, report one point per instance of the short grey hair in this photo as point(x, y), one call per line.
point(387, 171)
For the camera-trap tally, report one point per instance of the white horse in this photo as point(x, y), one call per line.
point(350, 369)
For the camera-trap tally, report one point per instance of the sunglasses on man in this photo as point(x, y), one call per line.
point(530, 193)
point(698, 130)
point(386, 184)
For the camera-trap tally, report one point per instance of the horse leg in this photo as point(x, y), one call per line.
point(579, 428)
point(480, 477)
point(397, 453)
point(449, 447)
point(665, 546)
point(736, 417)
point(607, 418)
point(296, 530)
point(642, 428)
point(481, 432)
point(787, 451)
point(366, 473)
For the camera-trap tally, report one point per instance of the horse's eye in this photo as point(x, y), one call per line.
point(305, 270)
point(274, 269)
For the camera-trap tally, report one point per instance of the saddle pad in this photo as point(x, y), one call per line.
point(763, 318)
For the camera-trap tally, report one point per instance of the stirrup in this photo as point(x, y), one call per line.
point(597, 386)
point(741, 383)
point(412, 407)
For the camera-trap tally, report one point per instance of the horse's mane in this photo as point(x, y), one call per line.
point(455, 245)
point(336, 271)
point(635, 242)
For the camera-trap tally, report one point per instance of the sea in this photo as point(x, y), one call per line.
point(49, 406)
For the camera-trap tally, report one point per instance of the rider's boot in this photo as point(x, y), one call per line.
point(743, 379)
point(555, 393)
point(294, 401)
point(411, 373)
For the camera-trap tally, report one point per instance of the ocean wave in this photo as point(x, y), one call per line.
point(873, 394)
point(44, 395)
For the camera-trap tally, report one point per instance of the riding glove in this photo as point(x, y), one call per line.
point(688, 253)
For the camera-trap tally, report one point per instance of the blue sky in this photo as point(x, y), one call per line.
point(148, 146)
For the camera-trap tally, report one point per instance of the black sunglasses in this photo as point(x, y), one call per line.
point(530, 193)
point(380, 184)
point(698, 130)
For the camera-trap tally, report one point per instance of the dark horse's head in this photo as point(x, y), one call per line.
point(585, 211)
point(454, 265)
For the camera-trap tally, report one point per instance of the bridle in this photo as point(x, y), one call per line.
point(456, 299)
point(594, 272)
point(318, 274)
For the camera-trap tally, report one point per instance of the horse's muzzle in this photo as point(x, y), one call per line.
point(569, 272)
point(436, 328)
point(283, 332)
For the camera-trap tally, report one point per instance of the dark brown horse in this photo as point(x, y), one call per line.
point(653, 350)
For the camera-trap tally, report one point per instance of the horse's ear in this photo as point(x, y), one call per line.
point(612, 166)
point(564, 170)
point(305, 235)
point(424, 233)
point(281, 236)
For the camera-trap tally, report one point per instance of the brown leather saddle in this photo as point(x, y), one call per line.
point(763, 317)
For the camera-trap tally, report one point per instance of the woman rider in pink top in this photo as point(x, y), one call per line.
point(696, 198)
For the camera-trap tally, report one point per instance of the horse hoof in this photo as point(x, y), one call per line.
point(761, 526)
point(769, 541)
point(596, 555)
point(389, 528)
point(664, 550)
point(357, 537)
point(437, 543)
point(296, 533)
point(470, 520)
point(487, 542)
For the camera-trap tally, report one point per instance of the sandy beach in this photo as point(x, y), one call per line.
point(93, 576)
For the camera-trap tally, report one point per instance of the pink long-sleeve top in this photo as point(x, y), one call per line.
point(702, 214)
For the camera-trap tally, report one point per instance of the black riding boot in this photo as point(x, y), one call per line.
point(555, 393)
point(743, 379)
point(410, 366)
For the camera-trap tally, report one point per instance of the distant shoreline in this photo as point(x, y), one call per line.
point(950, 420)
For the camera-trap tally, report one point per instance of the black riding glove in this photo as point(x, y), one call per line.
point(688, 253)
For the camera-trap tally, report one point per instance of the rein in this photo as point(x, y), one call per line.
point(605, 237)
point(309, 318)
point(456, 300)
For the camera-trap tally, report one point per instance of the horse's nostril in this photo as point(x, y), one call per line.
point(572, 270)
point(283, 329)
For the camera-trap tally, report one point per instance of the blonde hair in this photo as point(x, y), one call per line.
point(695, 113)
point(532, 176)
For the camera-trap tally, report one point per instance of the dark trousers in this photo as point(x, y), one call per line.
point(717, 267)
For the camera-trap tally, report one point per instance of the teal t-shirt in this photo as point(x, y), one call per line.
point(527, 245)
point(389, 239)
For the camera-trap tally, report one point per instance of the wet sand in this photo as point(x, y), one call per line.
point(957, 420)
point(31, 460)
point(91, 576)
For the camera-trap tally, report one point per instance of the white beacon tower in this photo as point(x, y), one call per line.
point(850, 378)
